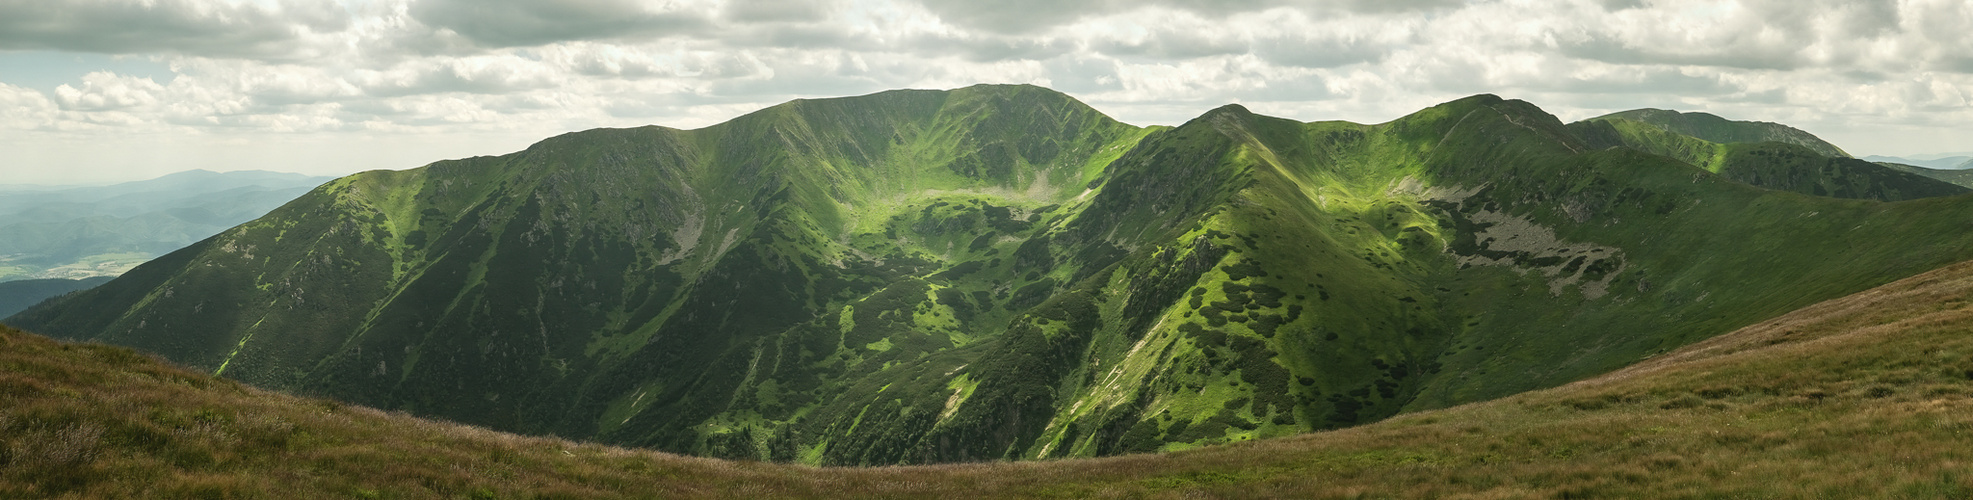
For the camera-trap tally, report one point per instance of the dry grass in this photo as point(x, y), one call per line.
point(1865, 396)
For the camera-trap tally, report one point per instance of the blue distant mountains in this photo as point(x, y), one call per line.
point(82, 232)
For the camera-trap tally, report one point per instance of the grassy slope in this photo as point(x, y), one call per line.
point(1769, 161)
point(1709, 127)
point(1866, 395)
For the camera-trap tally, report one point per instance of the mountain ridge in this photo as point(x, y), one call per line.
point(1713, 128)
point(1001, 272)
point(1944, 163)
point(1762, 154)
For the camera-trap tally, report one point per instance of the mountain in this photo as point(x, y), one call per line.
point(18, 295)
point(80, 232)
point(1001, 272)
point(1877, 378)
point(1962, 178)
point(1712, 128)
point(1761, 154)
point(1945, 163)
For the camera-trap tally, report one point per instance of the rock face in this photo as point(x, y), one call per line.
point(999, 272)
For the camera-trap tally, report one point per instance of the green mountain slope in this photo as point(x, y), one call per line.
point(1712, 128)
point(1778, 160)
point(1000, 272)
point(1962, 178)
point(18, 295)
point(1877, 379)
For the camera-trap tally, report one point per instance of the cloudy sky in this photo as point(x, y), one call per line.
point(107, 90)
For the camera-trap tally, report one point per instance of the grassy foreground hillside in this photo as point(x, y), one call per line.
point(1862, 396)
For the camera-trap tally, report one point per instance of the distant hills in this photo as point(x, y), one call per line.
point(1002, 272)
point(82, 232)
point(1957, 162)
point(1957, 177)
point(19, 294)
point(1768, 155)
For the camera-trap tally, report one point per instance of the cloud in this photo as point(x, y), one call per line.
point(755, 11)
point(1321, 53)
point(473, 75)
point(22, 108)
point(1766, 34)
point(987, 48)
point(1034, 16)
point(1175, 38)
point(1014, 16)
point(193, 27)
point(1774, 53)
point(103, 91)
point(378, 71)
point(615, 61)
point(517, 23)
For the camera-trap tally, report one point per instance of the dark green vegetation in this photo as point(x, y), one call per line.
point(18, 295)
point(1712, 128)
point(1002, 272)
point(104, 230)
point(1864, 396)
point(1763, 154)
point(1963, 178)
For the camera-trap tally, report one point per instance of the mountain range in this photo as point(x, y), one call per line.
point(1861, 396)
point(1002, 272)
point(1713, 128)
point(1954, 162)
point(81, 232)
point(20, 294)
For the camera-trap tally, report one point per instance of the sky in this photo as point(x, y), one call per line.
point(98, 91)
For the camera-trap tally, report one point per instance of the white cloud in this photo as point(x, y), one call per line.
point(511, 23)
point(274, 29)
point(24, 109)
point(380, 71)
point(102, 91)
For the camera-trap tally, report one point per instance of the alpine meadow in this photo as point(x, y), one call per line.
point(1002, 273)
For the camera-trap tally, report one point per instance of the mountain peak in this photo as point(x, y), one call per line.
point(1481, 99)
point(1234, 109)
point(1222, 114)
point(1719, 129)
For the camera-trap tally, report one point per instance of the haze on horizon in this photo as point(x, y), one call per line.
point(113, 90)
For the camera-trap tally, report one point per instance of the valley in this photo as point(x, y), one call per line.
point(81, 232)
